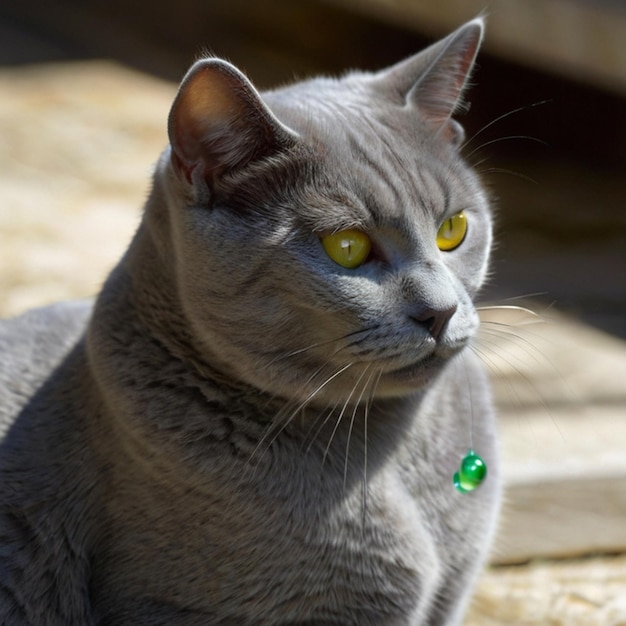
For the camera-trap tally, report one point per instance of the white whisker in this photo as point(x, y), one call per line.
point(279, 424)
point(352, 420)
point(338, 421)
point(499, 139)
point(313, 439)
point(502, 117)
point(508, 315)
point(501, 352)
point(503, 170)
point(319, 344)
point(368, 406)
point(497, 371)
point(490, 337)
point(304, 402)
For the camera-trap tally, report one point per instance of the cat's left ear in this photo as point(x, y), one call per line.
point(434, 80)
point(219, 122)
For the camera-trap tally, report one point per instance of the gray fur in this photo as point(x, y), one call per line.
point(242, 431)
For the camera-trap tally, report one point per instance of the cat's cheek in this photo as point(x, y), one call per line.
point(470, 265)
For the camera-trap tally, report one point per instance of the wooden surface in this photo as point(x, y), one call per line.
point(78, 145)
point(588, 592)
point(79, 141)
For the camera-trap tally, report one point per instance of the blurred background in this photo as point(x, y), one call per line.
point(85, 87)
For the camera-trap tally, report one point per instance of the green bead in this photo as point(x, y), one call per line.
point(471, 473)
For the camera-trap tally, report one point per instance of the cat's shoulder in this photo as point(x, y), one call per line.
point(32, 345)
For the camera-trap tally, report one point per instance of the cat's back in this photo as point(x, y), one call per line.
point(31, 346)
point(44, 465)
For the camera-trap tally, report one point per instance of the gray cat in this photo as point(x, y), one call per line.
point(259, 419)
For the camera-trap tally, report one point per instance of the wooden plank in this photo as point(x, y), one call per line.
point(563, 518)
point(561, 388)
point(582, 592)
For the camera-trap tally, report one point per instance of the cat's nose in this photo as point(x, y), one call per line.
point(434, 320)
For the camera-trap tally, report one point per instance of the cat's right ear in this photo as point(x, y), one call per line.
point(433, 81)
point(218, 122)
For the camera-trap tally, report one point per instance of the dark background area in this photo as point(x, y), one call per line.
point(553, 150)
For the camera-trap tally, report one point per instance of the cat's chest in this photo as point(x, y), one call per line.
point(363, 558)
point(375, 551)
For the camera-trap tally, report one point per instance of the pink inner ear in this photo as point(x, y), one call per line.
point(219, 122)
point(438, 93)
point(181, 169)
point(206, 110)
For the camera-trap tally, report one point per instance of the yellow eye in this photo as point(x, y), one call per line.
point(452, 232)
point(349, 248)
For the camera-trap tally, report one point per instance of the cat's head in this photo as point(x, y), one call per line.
point(328, 237)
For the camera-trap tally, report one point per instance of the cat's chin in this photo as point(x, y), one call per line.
point(412, 378)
